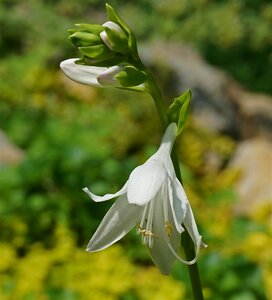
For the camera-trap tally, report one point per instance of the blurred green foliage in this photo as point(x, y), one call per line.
point(75, 136)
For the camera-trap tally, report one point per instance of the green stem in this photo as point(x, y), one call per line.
point(186, 241)
point(156, 94)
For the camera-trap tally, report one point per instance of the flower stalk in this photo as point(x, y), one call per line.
point(186, 242)
point(153, 198)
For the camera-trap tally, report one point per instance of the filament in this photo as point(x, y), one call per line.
point(148, 233)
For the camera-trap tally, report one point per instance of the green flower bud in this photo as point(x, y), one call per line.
point(96, 76)
point(178, 110)
point(111, 61)
point(131, 76)
point(107, 45)
point(128, 32)
point(114, 37)
point(97, 52)
point(84, 39)
point(108, 77)
point(92, 28)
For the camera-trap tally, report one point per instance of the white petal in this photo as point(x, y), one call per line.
point(177, 203)
point(169, 138)
point(113, 26)
point(81, 73)
point(145, 181)
point(160, 252)
point(190, 225)
point(107, 196)
point(118, 221)
point(106, 40)
point(107, 78)
point(104, 35)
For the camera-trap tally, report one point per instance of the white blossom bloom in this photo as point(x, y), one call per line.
point(91, 75)
point(154, 201)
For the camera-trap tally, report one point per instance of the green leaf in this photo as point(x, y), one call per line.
point(178, 110)
point(83, 39)
point(131, 76)
point(132, 44)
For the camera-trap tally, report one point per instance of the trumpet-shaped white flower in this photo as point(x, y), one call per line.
point(154, 200)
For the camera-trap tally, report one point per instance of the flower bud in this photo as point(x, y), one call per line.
point(131, 76)
point(107, 45)
point(97, 52)
point(107, 78)
point(81, 73)
point(120, 76)
point(132, 45)
point(84, 39)
point(179, 109)
point(91, 28)
point(114, 37)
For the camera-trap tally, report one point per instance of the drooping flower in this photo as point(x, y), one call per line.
point(155, 202)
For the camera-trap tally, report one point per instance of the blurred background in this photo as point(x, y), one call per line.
point(57, 136)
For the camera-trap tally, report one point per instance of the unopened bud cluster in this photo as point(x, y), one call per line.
point(101, 45)
point(111, 45)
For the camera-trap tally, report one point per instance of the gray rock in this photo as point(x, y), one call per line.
point(253, 158)
point(219, 103)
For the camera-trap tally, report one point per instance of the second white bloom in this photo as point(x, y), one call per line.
point(154, 200)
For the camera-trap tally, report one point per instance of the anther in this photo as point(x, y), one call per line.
point(141, 230)
point(168, 228)
point(151, 234)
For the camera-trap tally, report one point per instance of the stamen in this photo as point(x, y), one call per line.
point(168, 228)
point(140, 229)
point(148, 233)
point(146, 220)
point(141, 226)
point(165, 210)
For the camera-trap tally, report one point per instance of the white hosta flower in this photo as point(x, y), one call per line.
point(91, 75)
point(154, 200)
